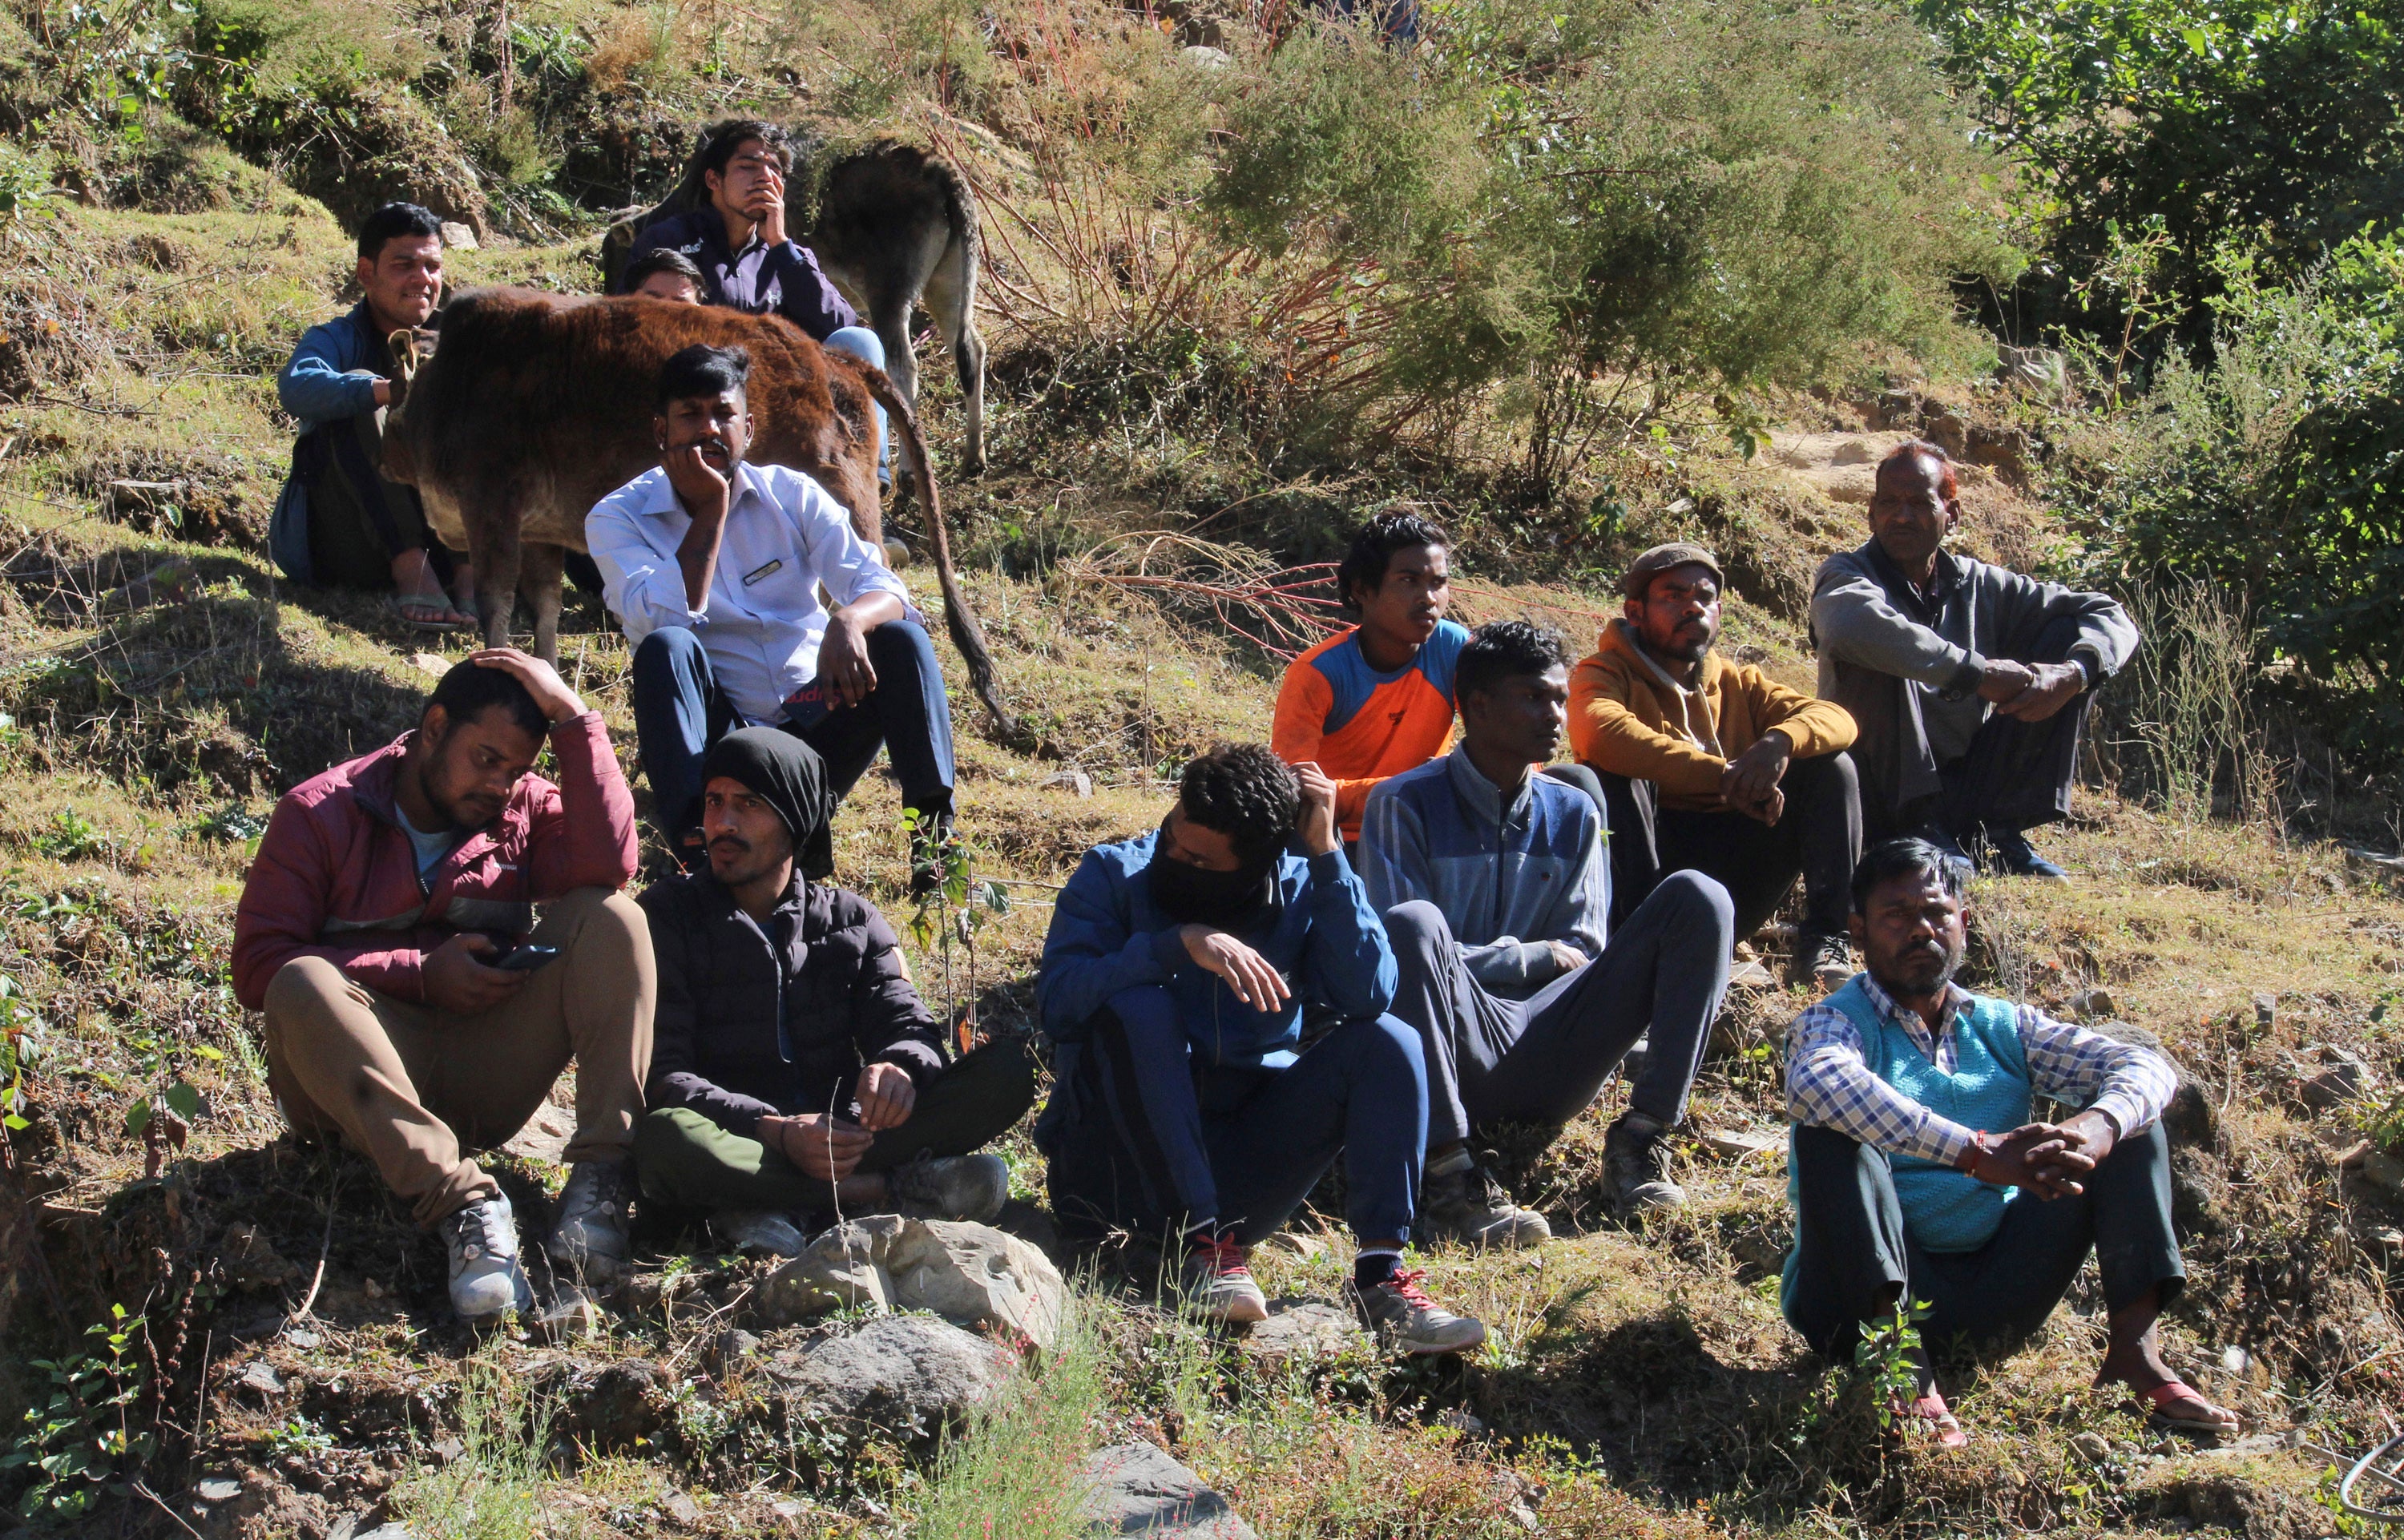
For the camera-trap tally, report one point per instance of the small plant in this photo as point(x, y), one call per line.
point(79, 1442)
point(20, 1035)
point(232, 823)
point(490, 1491)
point(1882, 1379)
point(298, 1436)
point(955, 907)
point(163, 1124)
point(71, 836)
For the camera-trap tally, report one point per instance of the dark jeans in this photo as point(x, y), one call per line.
point(358, 521)
point(1854, 1257)
point(679, 711)
point(1542, 1059)
point(1818, 837)
point(2016, 774)
point(685, 1160)
point(1156, 1142)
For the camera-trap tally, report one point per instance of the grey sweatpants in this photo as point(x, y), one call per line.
point(1542, 1059)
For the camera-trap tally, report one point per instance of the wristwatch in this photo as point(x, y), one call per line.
point(1968, 1163)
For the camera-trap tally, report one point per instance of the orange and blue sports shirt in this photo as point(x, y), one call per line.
point(1359, 725)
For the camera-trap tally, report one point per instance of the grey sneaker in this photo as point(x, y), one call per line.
point(971, 1187)
point(1636, 1167)
point(1821, 961)
point(758, 1233)
point(485, 1279)
point(589, 1241)
point(1461, 1201)
point(1219, 1284)
point(1399, 1314)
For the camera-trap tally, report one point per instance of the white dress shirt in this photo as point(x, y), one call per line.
point(762, 621)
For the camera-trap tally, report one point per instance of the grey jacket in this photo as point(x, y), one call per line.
point(1508, 878)
point(1908, 665)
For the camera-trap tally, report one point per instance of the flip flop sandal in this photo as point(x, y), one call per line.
point(425, 613)
point(1942, 1424)
point(2169, 1394)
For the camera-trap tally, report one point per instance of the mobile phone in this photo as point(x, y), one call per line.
point(523, 960)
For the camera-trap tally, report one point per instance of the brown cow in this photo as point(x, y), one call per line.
point(535, 406)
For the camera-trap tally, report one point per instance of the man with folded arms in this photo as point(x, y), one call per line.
point(1497, 898)
point(384, 892)
point(1715, 767)
point(1919, 1174)
point(797, 1071)
point(1183, 1103)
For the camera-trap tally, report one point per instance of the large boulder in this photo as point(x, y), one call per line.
point(972, 1275)
point(1137, 1489)
point(912, 1374)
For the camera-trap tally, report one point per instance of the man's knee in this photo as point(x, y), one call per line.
point(901, 640)
point(605, 912)
point(857, 341)
point(1832, 774)
point(669, 657)
point(1700, 897)
point(302, 986)
point(1391, 1044)
point(1417, 929)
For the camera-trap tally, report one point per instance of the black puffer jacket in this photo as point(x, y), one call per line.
point(827, 964)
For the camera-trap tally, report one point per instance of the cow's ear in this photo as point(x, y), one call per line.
point(403, 345)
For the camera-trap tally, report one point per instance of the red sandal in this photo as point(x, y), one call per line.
point(2171, 1392)
point(1942, 1424)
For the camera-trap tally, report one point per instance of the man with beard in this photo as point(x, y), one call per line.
point(385, 932)
point(1918, 1175)
point(1185, 1104)
point(1497, 898)
point(1377, 700)
point(795, 1070)
point(1715, 767)
point(339, 523)
point(714, 567)
point(1969, 682)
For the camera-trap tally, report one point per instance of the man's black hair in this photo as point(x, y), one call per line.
point(469, 690)
point(1899, 857)
point(1373, 547)
point(702, 370)
point(661, 259)
point(1506, 649)
point(393, 221)
point(1245, 793)
point(729, 137)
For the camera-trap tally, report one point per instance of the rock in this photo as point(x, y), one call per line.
point(2388, 1239)
point(261, 1376)
point(1453, 1417)
point(610, 1407)
point(896, 556)
point(430, 663)
point(2351, 1158)
point(572, 1314)
point(2093, 1005)
point(908, 1373)
point(2266, 1009)
point(1072, 780)
point(2192, 1117)
point(449, 1450)
point(1203, 56)
point(2094, 1448)
point(544, 1138)
point(219, 1488)
point(1136, 1488)
point(1737, 1145)
point(728, 1350)
point(651, 1293)
point(304, 1340)
point(1752, 975)
point(1033, 1224)
point(2331, 1088)
point(681, 1508)
point(969, 1274)
point(1304, 1328)
point(250, 1262)
point(2383, 1171)
point(460, 237)
point(1295, 1244)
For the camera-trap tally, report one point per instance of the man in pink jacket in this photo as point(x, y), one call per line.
point(414, 1007)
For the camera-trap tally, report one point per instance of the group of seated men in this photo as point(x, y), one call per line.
point(1383, 936)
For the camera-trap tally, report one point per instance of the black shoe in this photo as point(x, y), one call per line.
point(1822, 961)
point(2016, 857)
point(1636, 1174)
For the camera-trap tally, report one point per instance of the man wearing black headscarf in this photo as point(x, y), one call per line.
point(794, 1068)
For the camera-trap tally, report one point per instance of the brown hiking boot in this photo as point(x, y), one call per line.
point(1821, 961)
point(1461, 1201)
point(1636, 1174)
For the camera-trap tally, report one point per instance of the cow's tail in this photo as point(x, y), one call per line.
point(967, 635)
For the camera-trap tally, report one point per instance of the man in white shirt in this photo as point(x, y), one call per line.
point(714, 566)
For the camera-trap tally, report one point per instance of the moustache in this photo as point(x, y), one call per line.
point(731, 844)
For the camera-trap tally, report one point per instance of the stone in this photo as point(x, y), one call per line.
point(1204, 57)
point(1136, 1488)
point(911, 1374)
point(1304, 1328)
point(572, 1314)
point(544, 1138)
point(304, 1340)
point(2091, 1446)
point(250, 1262)
point(218, 1489)
point(1453, 1417)
point(2383, 1171)
point(1740, 1144)
point(1072, 780)
point(727, 1350)
point(430, 663)
point(460, 237)
point(449, 1450)
point(1302, 1248)
point(261, 1376)
point(1751, 975)
point(2266, 1009)
point(2093, 1005)
point(2352, 1156)
point(610, 1407)
point(681, 1508)
point(2234, 1360)
point(1033, 1224)
point(2331, 1088)
point(972, 1275)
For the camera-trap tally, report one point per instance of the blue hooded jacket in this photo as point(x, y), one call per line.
point(1107, 935)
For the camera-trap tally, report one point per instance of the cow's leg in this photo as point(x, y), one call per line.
point(493, 533)
point(541, 569)
point(951, 298)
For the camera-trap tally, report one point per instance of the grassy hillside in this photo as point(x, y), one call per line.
point(163, 686)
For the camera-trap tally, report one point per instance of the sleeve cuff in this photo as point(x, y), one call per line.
point(2127, 1116)
point(1946, 1141)
point(2089, 663)
point(1966, 679)
point(1169, 950)
point(1330, 867)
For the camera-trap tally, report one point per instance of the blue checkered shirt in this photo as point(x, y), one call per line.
point(1829, 1086)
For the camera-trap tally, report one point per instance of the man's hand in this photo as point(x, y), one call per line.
point(843, 661)
point(1247, 973)
point(826, 1147)
point(1315, 825)
point(542, 682)
point(459, 985)
point(768, 208)
point(2085, 1139)
point(1566, 958)
point(2052, 687)
point(885, 1097)
point(1750, 782)
point(699, 486)
point(2043, 1157)
point(2004, 680)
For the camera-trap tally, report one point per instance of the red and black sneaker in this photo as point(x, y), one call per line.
point(1403, 1316)
point(1219, 1282)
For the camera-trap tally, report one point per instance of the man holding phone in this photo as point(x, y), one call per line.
point(798, 1072)
point(367, 933)
point(714, 566)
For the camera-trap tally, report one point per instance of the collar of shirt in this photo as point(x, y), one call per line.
point(1690, 702)
point(1484, 798)
point(1940, 1049)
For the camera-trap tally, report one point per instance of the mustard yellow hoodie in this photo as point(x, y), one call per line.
point(1629, 717)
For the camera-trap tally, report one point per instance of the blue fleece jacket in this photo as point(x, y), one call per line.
point(331, 376)
point(1107, 935)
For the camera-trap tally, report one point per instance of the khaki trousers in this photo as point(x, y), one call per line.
point(414, 1087)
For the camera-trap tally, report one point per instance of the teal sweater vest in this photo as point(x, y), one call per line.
point(1945, 1209)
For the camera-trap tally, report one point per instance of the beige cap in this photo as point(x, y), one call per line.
point(1658, 560)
